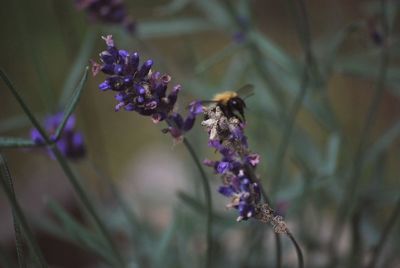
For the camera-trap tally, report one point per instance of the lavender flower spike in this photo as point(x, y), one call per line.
point(236, 167)
point(140, 89)
point(71, 143)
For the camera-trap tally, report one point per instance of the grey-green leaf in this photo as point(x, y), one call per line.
point(72, 104)
point(11, 142)
point(20, 219)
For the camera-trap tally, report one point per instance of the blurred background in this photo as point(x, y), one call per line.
point(328, 136)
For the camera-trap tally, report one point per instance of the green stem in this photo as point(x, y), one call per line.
point(385, 235)
point(6, 182)
point(278, 244)
point(298, 250)
point(207, 194)
point(24, 107)
point(19, 237)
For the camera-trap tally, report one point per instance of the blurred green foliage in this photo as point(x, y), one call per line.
point(325, 119)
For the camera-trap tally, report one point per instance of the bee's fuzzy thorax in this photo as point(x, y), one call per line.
point(224, 97)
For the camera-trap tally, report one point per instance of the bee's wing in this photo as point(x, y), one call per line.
point(204, 102)
point(245, 91)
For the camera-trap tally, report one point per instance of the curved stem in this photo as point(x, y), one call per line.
point(298, 250)
point(207, 194)
point(385, 234)
point(278, 244)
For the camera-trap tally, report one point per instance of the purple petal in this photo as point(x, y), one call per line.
point(144, 70)
point(108, 68)
point(196, 107)
point(105, 85)
point(189, 122)
point(253, 159)
point(106, 57)
point(36, 137)
point(134, 61)
point(226, 191)
point(223, 167)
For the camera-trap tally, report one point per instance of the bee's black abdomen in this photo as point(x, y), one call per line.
point(233, 105)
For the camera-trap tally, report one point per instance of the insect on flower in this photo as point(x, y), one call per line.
point(232, 102)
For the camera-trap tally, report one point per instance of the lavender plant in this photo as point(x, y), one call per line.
point(311, 107)
point(145, 92)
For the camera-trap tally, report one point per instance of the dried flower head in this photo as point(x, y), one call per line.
point(70, 143)
point(107, 11)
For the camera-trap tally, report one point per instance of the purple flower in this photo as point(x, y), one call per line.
point(71, 143)
point(177, 126)
point(236, 165)
point(138, 88)
point(107, 11)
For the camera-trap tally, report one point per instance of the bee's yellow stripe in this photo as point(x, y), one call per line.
point(224, 97)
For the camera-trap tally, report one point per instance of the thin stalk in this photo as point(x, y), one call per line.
point(19, 237)
point(24, 107)
point(207, 194)
point(6, 182)
point(346, 207)
point(298, 250)
point(278, 244)
point(385, 235)
point(357, 245)
point(66, 168)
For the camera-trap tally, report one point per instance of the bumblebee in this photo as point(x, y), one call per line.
point(232, 103)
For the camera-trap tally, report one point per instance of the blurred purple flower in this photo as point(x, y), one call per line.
point(107, 11)
point(375, 31)
point(70, 143)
